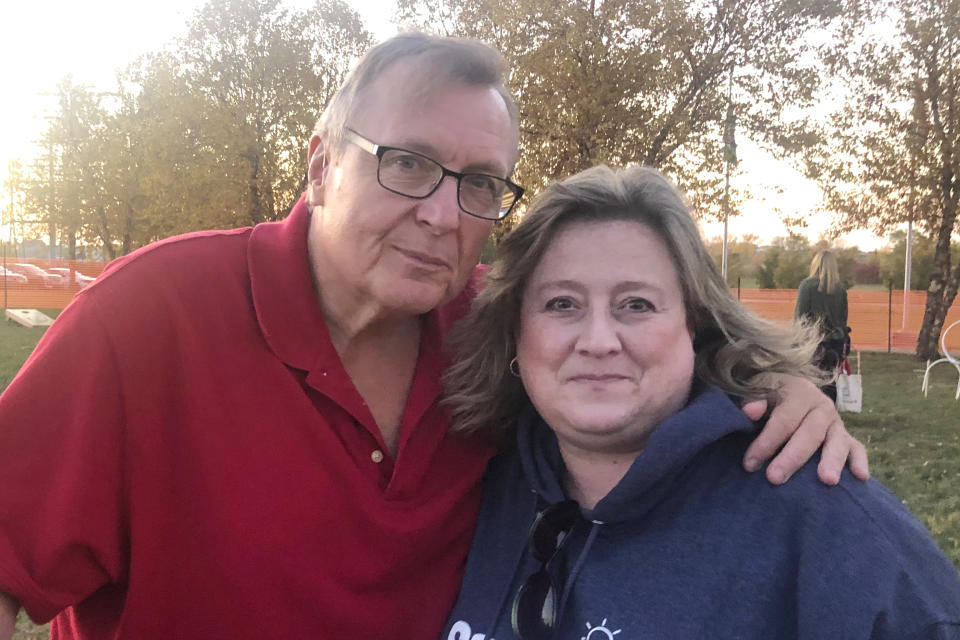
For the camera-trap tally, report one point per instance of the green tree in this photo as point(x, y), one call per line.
point(892, 260)
point(209, 134)
point(742, 257)
point(14, 198)
point(156, 172)
point(894, 150)
point(265, 73)
point(793, 264)
point(785, 263)
point(643, 81)
point(69, 181)
point(767, 268)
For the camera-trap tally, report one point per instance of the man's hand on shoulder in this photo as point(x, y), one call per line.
point(803, 422)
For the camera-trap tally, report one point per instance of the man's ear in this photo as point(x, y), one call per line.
point(316, 170)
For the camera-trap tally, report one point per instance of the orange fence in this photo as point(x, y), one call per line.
point(875, 319)
point(872, 313)
point(43, 284)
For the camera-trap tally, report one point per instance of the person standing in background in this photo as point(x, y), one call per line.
point(822, 299)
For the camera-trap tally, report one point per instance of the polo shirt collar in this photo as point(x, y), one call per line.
point(284, 295)
point(288, 312)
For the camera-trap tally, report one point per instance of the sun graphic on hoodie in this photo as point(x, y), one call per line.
point(600, 632)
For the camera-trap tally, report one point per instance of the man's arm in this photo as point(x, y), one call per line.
point(60, 468)
point(8, 615)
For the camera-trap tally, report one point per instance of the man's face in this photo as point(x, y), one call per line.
point(400, 255)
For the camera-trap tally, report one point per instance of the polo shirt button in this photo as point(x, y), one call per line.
point(377, 456)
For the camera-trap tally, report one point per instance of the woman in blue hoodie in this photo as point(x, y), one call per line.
point(607, 347)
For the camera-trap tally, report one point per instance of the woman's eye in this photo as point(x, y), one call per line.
point(638, 304)
point(559, 304)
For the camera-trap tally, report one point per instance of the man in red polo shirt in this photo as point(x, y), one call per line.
point(236, 434)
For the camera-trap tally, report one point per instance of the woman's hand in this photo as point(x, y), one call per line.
point(802, 421)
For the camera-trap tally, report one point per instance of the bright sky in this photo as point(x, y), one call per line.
point(42, 41)
point(777, 191)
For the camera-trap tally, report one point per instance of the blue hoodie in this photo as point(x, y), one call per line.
point(688, 545)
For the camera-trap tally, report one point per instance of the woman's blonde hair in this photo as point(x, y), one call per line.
point(731, 344)
point(824, 268)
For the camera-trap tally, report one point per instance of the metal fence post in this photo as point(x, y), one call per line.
point(4, 276)
point(890, 317)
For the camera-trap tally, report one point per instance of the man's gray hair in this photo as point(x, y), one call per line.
point(439, 61)
point(732, 346)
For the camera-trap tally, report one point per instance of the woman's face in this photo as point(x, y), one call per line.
point(604, 350)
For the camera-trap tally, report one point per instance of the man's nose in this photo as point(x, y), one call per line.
point(441, 210)
point(599, 334)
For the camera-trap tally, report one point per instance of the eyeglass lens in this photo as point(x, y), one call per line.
point(414, 175)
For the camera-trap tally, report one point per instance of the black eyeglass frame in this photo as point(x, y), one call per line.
point(379, 150)
point(545, 544)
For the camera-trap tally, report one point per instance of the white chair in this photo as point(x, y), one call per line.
point(946, 358)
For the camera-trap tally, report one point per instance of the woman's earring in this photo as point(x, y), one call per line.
point(514, 367)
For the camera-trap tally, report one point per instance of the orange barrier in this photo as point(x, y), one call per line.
point(54, 290)
point(871, 314)
point(869, 309)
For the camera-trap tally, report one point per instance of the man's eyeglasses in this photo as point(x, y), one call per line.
point(416, 176)
point(534, 614)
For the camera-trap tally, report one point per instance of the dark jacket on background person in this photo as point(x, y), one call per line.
point(688, 545)
point(830, 309)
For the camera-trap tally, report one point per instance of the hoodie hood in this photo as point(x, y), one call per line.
point(707, 418)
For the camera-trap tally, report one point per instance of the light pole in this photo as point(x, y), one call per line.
point(730, 156)
point(10, 222)
point(906, 273)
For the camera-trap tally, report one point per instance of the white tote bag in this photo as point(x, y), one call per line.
point(850, 388)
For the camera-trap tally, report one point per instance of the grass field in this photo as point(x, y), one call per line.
point(16, 343)
point(914, 442)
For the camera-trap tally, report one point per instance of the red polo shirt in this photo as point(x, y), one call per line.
point(184, 456)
